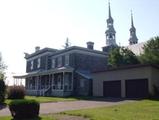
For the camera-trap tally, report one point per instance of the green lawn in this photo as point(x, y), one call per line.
point(46, 117)
point(48, 99)
point(141, 110)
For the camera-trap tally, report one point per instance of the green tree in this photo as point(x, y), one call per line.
point(151, 51)
point(2, 68)
point(2, 76)
point(115, 58)
point(121, 56)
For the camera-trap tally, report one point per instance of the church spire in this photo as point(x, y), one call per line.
point(132, 22)
point(133, 38)
point(109, 10)
point(110, 32)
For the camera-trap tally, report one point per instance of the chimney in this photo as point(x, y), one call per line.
point(90, 45)
point(37, 48)
point(26, 55)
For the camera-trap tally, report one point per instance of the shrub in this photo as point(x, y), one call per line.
point(24, 109)
point(16, 92)
point(2, 91)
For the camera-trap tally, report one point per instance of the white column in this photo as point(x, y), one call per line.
point(72, 81)
point(21, 81)
point(63, 80)
point(52, 81)
point(49, 81)
point(39, 82)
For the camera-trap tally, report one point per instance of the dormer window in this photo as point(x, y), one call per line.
point(53, 63)
point(66, 60)
point(39, 61)
point(31, 66)
point(59, 61)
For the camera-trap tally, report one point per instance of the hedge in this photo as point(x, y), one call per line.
point(2, 91)
point(24, 109)
point(16, 92)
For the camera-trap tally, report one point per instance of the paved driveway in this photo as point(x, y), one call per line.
point(56, 107)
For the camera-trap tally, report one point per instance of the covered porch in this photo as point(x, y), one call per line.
point(57, 82)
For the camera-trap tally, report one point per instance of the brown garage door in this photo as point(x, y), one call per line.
point(112, 88)
point(137, 88)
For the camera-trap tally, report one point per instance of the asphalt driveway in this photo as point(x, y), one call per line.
point(55, 107)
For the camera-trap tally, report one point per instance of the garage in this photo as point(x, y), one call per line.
point(112, 89)
point(137, 88)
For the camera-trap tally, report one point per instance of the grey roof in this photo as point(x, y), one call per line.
point(79, 48)
point(55, 51)
point(41, 51)
point(137, 49)
point(127, 67)
point(45, 72)
point(84, 73)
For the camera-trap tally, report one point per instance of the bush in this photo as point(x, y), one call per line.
point(24, 109)
point(2, 91)
point(16, 92)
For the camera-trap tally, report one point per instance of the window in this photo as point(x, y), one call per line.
point(31, 66)
point(82, 83)
point(68, 81)
point(66, 59)
point(59, 61)
point(59, 82)
point(53, 63)
point(39, 61)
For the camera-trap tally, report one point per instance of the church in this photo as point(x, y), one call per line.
point(76, 71)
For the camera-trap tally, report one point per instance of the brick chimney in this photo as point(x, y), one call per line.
point(90, 45)
point(37, 48)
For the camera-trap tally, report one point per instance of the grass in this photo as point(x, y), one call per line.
point(43, 117)
point(47, 99)
point(141, 110)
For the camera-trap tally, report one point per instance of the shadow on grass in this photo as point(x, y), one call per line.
point(3, 105)
point(111, 99)
point(104, 99)
point(38, 118)
point(154, 98)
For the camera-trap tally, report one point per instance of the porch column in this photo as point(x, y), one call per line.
point(40, 84)
point(37, 82)
point(52, 81)
point(63, 80)
point(72, 81)
point(21, 81)
point(49, 81)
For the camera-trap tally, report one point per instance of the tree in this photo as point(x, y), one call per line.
point(2, 84)
point(2, 68)
point(151, 51)
point(2, 91)
point(122, 56)
point(115, 58)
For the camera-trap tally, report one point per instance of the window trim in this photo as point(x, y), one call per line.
point(53, 63)
point(38, 63)
point(32, 65)
point(67, 58)
point(59, 61)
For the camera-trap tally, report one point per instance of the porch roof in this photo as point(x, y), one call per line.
point(45, 72)
point(84, 73)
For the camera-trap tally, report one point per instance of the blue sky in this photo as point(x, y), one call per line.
point(25, 24)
